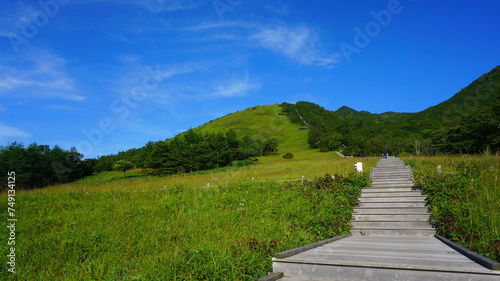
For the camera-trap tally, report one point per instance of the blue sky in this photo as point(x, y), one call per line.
point(107, 76)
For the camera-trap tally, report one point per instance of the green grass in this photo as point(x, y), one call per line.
point(222, 224)
point(464, 199)
point(229, 232)
point(111, 227)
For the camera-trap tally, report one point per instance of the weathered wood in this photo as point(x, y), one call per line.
point(484, 261)
point(301, 249)
point(272, 277)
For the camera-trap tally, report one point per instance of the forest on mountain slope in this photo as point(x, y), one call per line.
point(469, 122)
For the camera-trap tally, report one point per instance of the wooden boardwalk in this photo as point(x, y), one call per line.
point(391, 239)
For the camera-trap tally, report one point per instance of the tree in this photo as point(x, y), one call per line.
point(270, 145)
point(122, 165)
point(39, 165)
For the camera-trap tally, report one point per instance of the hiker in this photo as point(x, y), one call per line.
point(385, 153)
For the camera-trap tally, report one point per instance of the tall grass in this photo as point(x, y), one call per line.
point(309, 163)
point(105, 228)
point(464, 199)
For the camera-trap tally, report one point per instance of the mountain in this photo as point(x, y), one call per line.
point(466, 123)
point(347, 111)
point(482, 93)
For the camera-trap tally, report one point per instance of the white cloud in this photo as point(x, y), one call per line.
point(152, 78)
point(298, 44)
point(154, 6)
point(9, 132)
point(38, 74)
point(235, 88)
point(216, 26)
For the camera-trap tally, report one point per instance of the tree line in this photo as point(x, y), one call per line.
point(194, 151)
point(370, 134)
point(191, 151)
point(40, 165)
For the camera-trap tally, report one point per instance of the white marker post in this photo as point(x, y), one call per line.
point(358, 166)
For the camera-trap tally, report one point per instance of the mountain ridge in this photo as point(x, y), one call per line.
point(451, 126)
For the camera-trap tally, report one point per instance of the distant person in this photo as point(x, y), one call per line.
point(385, 153)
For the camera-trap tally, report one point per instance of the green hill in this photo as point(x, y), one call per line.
point(262, 122)
point(482, 93)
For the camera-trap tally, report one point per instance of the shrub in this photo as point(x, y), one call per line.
point(288, 155)
point(123, 166)
point(147, 172)
point(241, 163)
point(324, 149)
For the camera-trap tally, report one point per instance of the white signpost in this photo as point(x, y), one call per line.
point(358, 166)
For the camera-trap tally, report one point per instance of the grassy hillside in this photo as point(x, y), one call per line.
point(262, 122)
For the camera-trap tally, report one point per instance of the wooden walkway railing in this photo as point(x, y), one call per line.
point(391, 239)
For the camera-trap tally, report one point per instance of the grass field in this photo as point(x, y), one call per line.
point(111, 227)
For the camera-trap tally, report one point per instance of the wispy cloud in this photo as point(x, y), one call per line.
point(155, 77)
point(297, 43)
point(301, 44)
point(39, 74)
point(11, 132)
point(155, 6)
point(206, 26)
point(235, 87)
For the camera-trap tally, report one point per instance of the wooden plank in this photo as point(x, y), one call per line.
point(295, 251)
point(484, 261)
point(271, 277)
